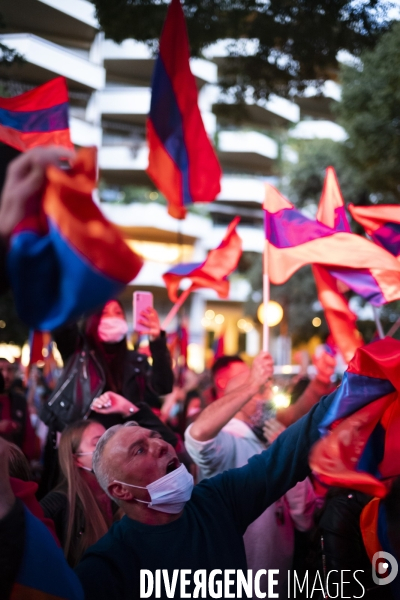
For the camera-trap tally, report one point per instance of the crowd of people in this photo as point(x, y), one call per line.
point(119, 482)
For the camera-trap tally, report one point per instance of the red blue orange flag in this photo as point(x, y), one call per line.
point(69, 259)
point(213, 272)
point(36, 118)
point(293, 240)
point(382, 224)
point(182, 161)
point(341, 320)
point(361, 428)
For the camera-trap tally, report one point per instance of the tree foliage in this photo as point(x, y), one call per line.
point(296, 41)
point(370, 113)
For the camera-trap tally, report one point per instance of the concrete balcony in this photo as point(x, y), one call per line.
point(132, 63)
point(124, 165)
point(131, 105)
point(319, 103)
point(71, 23)
point(323, 130)
point(84, 133)
point(44, 60)
point(247, 151)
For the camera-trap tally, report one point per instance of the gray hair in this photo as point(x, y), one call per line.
point(103, 474)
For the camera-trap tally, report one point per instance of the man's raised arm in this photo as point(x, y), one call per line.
point(219, 413)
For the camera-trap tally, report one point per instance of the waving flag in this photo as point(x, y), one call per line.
point(382, 223)
point(182, 162)
point(70, 259)
point(37, 118)
point(363, 421)
point(213, 272)
point(293, 241)
point(341, 320)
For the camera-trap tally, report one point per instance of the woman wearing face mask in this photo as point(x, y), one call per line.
point(81, 511)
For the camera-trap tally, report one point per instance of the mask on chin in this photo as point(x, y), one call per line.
point(170, 493)
point(112, 329)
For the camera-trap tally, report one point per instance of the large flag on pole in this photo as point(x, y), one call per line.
point(36, 118)
point(361, 428)
point(211, 273)
point(294, 241)
point(382, 224)
point(182, 161)
point(68, 259)
point(341, 320)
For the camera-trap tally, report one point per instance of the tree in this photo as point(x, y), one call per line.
point(296, 41)
point(370, 113)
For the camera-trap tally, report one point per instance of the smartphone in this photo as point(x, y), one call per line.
point(141, 301)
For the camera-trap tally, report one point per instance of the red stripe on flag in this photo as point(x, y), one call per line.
point(44, 96)
point(25, 141)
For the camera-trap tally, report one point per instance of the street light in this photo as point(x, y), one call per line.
point(274, 313)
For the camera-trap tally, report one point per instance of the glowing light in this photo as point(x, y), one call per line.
point(275, 389)
point(316, 321)
point(161, 252)
point(2, 324)
point(274, 313)
point(245, 325)
point(209, 314)
point(153, 195)
point(281, 400)
point(25, 354)
point(45, 352)
point(219, 319)
point(195, 358)
point(287, 369)
point(10, 352)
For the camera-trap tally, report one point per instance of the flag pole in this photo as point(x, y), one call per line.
point(393, 328)
point(378, 323)
point(266, 294)
point(176, 307)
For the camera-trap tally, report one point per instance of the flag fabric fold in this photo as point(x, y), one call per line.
point(36, 118)
point(182, 161)
point(69, 259)
point(362, 442)
point(382, 224)
point(341, 320)
point(211, 273)
point(293, 240)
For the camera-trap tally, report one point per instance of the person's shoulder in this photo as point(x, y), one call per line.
point(54, 502)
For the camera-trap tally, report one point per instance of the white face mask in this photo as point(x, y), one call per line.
point(112, 329)
point(170, 493)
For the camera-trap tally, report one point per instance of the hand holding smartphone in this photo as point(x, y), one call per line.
point(142, 301)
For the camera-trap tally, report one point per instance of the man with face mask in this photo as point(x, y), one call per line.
point(224, 437)
point(171, 525)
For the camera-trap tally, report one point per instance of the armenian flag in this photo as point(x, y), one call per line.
point(213, 272)
point(341, 320)
point(361, 428)
point(36, 118)
point(382, 224)
point(182, 161)
point(67, 260)
point(293, 240)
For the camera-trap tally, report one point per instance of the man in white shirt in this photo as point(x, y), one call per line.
point(222, 438)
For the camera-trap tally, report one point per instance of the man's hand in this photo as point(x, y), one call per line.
point(149, 319)
point(325, 365)
point(23, 187)
point(272, 429)
point(7, 497)
point(110, 403)
point(261, 371)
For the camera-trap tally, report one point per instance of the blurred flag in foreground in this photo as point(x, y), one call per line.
point(36, 118)
point(341, 320)
point(39, 346)
point(70, 259)
point(362, 447)
point(213, 272)
point(382, 224)
point(182, 161)
point(293, 240)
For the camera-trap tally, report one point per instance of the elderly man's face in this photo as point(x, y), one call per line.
point(139, 456)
